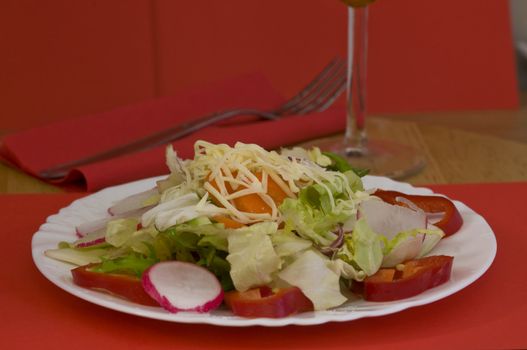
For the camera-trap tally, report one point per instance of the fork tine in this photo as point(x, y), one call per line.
point(321, 93)
point(312, 86)
point(326, 97)
point(340, 88)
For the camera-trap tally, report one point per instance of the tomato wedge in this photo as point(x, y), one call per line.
point(450, 222)
point(124, 286)
point(264, 302)
point(412, 278)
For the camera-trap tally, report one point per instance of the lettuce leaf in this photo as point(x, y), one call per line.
point(311, 223)
point(410, 245)
point(76, 256)
point(187, 243)
point(363, 248)
point(432, 237)
point(210, 233)
point(286, 243)
point(404, 246)
point(348, 271)
point(317, 280)
point(119, 231)
point(252, 256)
point(339, 163)
point(317, 211)
point(313, 154)
point(131, 264)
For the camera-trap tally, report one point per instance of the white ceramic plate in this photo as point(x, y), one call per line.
point(473, 248)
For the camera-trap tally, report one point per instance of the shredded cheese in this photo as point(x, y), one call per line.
point(234, 171)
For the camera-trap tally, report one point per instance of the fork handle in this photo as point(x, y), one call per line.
point(151, 141)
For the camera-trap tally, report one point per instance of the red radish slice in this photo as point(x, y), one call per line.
point(78, 233)
point(181, 286)
point(93, 226)
point(91, 239)
point(87, 228)
point(388, 220)
point(132, 202)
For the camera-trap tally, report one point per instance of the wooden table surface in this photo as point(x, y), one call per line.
point(460, 147)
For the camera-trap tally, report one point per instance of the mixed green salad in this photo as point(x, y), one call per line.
point(280, 232)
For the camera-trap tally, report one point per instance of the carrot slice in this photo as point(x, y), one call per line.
point(228, 222)
point(273, 190)
point(253, 203)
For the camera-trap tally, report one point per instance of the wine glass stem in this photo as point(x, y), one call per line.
point(355, 137)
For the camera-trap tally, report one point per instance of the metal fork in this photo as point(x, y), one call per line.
point(316, 96)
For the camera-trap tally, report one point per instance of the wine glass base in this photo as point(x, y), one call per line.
point(381, 157)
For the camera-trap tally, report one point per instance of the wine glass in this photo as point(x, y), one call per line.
point(381, 157)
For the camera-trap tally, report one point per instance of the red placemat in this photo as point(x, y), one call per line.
point(490, 313)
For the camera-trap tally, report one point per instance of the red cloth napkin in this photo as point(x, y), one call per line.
point(491, 313)
point(40, 148)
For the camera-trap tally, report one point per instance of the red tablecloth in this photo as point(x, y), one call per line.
point(490, 313)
